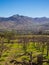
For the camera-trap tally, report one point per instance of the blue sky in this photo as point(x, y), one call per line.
point(31, 8)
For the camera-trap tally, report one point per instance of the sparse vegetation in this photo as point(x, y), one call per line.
point(24, 49)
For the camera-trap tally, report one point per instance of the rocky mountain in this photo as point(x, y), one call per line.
point(24, 23)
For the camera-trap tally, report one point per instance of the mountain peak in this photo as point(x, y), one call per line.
point(17, 15)
point(20, 22)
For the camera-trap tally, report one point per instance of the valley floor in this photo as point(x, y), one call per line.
point(25, 52)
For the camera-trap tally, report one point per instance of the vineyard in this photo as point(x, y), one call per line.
point(24, 49)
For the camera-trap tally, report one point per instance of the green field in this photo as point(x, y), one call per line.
point(22, 51)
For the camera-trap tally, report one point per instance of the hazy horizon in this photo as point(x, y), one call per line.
point(23, 15)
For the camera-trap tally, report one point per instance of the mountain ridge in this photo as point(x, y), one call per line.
point(22, 23)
